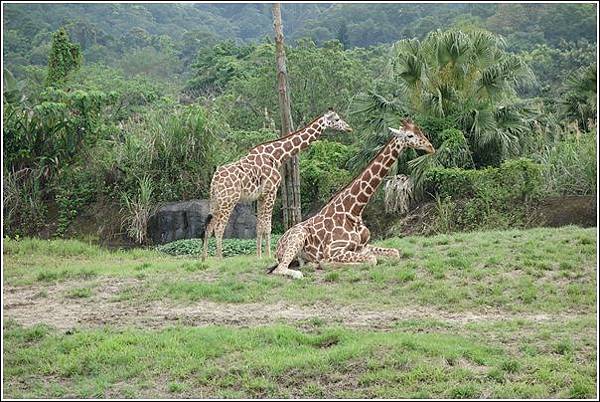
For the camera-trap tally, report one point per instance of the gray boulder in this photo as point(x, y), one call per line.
point(185, 220)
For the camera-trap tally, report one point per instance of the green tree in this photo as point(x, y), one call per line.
point(215, 67)
point(64, 58)
point(342, 34)
point(319, 78)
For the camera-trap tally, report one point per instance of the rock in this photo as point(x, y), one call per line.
point(185, 220)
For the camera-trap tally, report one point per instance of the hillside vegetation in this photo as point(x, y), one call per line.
point(111, 110)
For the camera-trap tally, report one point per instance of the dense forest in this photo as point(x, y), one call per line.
point(117, 108)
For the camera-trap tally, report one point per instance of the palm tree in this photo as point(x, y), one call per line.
point(579, 101)
point(469, 78)
point(377, 114)
point(461, 87)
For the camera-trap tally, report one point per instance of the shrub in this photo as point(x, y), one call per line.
point(518, 179)
point(176, 148)
point(138, 209)
point(322, 171)
point(491, 197)
point(446, 182)
point(75, 188)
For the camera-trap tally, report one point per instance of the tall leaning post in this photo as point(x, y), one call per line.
point(290, 183)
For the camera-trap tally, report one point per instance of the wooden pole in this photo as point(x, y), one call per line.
point(290, 183)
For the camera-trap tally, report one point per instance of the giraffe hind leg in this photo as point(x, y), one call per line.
point(383, 251)
point(220, 222)
point(349, 258)
point(263, 221)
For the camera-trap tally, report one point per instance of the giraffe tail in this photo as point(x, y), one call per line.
point(271, 269)
point(204, 234)
point(294, 263)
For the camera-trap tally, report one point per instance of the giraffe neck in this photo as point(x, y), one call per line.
point(355, 197)
point(288, 146)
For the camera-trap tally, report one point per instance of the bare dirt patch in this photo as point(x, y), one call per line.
point(39, 304)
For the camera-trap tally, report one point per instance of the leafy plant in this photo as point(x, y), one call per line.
point(484, 198)
point(469, 77)
point(75, 188)
point(231, 247)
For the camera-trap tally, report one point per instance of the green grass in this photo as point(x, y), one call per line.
point(538, 270)
point(518, 274)
point(282, 361)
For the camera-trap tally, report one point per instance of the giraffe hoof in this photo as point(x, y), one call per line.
point(296, 274)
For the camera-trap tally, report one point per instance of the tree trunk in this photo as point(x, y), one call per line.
point(290, 182)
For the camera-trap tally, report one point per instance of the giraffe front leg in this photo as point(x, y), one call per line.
point(383, 251)
point(258, 241)
point(292, 242)
point(264, 216)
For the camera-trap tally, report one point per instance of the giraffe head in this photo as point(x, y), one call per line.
point(333, 121)
point(412, 136)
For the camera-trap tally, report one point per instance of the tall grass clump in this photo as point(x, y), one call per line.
point(175, 147)
point(25, 212)
point(138, 209)
point(570, 165)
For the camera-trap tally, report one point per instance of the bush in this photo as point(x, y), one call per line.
point(323, 173)
point(50, 134)
point(74, 188)
point(485, 198)
point(453, 182)
point(175, 147)
point(517, 179)
point(436, 126)
point(25, 212)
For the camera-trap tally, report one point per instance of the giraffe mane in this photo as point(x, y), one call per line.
point(288, 135)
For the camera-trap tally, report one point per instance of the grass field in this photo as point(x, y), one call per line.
point(503, 314)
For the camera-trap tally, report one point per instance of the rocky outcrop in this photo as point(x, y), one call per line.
point(185, 220)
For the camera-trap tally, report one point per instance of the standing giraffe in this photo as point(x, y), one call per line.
point(337, 234)
point(256, 177)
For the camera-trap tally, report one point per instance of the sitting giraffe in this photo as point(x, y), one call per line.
point(256, 177)
point(337, 235)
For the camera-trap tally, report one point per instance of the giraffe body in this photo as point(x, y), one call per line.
point(337, 234)
point(256, 177)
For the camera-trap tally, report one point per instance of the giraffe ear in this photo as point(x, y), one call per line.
point(393, 130)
